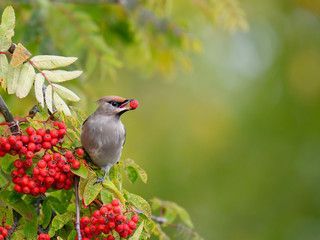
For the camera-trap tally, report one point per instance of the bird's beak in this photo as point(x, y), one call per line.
point(127, 105)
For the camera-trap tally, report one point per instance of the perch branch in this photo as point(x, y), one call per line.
point(76, 189)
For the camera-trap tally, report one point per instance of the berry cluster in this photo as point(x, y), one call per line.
point(39, 165)
point(43, 236)
point(4, 231)
point(108, 221)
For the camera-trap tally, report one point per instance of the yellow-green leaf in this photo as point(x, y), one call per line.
point(110, 186)
point(91, 190)
point(48, 98)
point(3, 70)
point(26, 80)
point(59, 221)
point(139, 203)
point(60, 104)
point(137, 233)
point(66, 93)
point(52, 62)
point(13, 75)
point(82, 171)
point(39, 88)
point(8, 21)
point(61, 75)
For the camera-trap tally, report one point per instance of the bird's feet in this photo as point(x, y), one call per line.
point(100, 180)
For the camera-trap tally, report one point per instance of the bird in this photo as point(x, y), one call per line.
point(103, 134)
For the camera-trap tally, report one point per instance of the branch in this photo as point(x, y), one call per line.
point(76, 189)
point(13, 124)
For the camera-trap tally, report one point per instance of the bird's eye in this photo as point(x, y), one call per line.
point(114, 103)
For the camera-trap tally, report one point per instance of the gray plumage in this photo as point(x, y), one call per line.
point(103, 134)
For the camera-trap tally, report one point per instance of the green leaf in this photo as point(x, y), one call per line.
point(59, 221)
point(13, 76)
point(132, 174)
point(72, 235)
point(139, 203)
point(60, 104)
point(184, 215)
point(161, 234)
point(110, 186)
point(65, 93)
point(82, 171)
point(91, 190)
point(39, 88)
point(3, 179)
point(5, 42)
point(3, 70)
point(61, 75)
point(106, 196)
point(30, 229)
point(18, 234)
point(14, 201)
point(47, 213)
point(26, 80)
point(52, 62)
point(132, 169)
point(137, 233)
point(48, 97)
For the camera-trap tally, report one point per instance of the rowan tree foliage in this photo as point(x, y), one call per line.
point(47, 183)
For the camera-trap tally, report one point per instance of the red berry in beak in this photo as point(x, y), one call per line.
point(134, 104)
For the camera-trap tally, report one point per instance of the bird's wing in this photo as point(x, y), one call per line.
point(125, 136)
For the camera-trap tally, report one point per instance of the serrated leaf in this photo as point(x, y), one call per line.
point(131, 165)
point(59, 221)
point(47, 213)
point(19, 56)
point(30, 229)
point(49, 98)
point(82, 171)
point(3, 70)
point(106, 196)
point(13, 76)
point(66, 93)
point(139, 203)
point(5, 42)
point(52, 62)
point(137, 233)
point(61, 75)
point(26, 80)
point(60, 104)
point(132, 174)
point(110, 186)
point(14, 201)
point(91, 190)
point(39, 88)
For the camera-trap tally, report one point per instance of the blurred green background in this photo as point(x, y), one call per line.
point(228, 124)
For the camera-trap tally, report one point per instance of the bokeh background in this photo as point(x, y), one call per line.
point(228, 124)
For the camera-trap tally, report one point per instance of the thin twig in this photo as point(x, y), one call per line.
point(76, 189)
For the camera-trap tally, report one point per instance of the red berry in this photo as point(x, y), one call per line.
point(18, 145)
point(24, 138)
point(96, 214)
point(46, 145)
point(29, 154)
point(135, 218)
point(62, 125)
point(30, 130)
point(18, 163)
point(111, 225)
point(75, 164)
point(31, 147)
point(132, 225)
point(26, 190)
point(84, 221)
point(115, 202)
point(134, 104)
point(47, 138)
point(12, 140)
point(54, 133)
point(36, 171)
point(17, 188)
point(119, 228)
point(28, 163)
point(62, 132)
point(80, 152)
point(68, 155)
point(66, 168)
point(41, 132)
point(7, 147)
point(57, 156)
point(42, 164)
point(110, 237)
point(54, 141)
point(117, 210)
